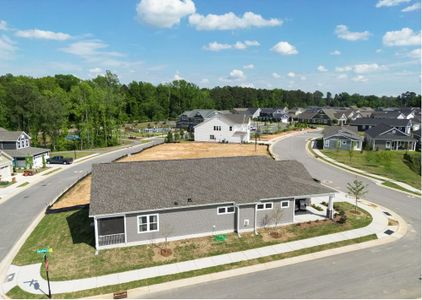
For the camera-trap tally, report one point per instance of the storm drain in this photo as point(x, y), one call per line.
point(389, 232)
point(387, 213)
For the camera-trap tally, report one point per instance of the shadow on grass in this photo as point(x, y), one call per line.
point(80, 227)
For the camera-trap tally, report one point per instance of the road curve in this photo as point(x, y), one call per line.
point(18, 212)
point(388, 271)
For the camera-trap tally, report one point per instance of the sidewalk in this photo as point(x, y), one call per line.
point(29, 279)
point(380, 179)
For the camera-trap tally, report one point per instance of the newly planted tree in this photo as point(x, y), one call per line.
point(357, 190)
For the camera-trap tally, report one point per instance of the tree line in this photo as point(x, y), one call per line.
point(51, 107)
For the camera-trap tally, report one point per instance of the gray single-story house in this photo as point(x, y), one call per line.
point(144, 202)
point(341, 137)
point(384, 137)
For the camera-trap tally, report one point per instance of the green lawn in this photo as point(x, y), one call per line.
point(385, 163)
point(71, 237)
point(18, 293)
point(71, 154)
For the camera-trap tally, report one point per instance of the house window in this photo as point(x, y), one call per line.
point(212, 137)
point(231, 128)
point(285, 204)
point(327, 143)
point(22, 144)
point(217, 128)
point(26, 143)
point(147, 223)
point(388, 144)
point(264, 206)
point(344, 142)
point(224, 210)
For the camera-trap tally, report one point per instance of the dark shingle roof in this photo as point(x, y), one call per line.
point(236, 118)
point(24, 152)
point(376, 133)
point(346, 131)
point(9, 136)
point(154, 185)
point(385, 114)
point(373, 121)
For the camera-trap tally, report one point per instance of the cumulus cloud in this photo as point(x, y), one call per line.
point(7, 47)
point(335, 52)
point(216, 46)
point(321, 68)
point(177, 76)
point(3, 25)
point(284, 48)
point(248, 67)
point(291, 74)
point(359, 78)
point(403, 37)
point(389, 3)
point(42, 35)
point(236, 74)
point(413, 7)
point(276, 75)
point(230, 21)
point(361, 68)
point(247, 85)
point(164, 13)
point(89, 49)
point(343, 32)
point(416, 53)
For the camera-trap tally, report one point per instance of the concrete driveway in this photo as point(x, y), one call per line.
point(388, 271)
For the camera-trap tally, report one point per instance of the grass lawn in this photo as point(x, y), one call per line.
point(4, 184)
point(71, 154)
point(376, 163)
point(72, 239)
point(18, 293)
point(396, 186)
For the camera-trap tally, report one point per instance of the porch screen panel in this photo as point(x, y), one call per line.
point(109, 226)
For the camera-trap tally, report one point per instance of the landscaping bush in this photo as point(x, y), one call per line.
point(342, 219)
point(413, 161)
point(317, 207)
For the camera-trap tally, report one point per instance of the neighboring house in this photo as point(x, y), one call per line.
point(416, 123)
point(341, 137)
point(384, 137)
point(318, 116)
point(230, 128)
point(145, 202)
point(294, 112)
point(363, 124)
point(417, 136)
point(251, 112)
point(6, 166)
point(388, 115)
point(191, 118)
point(17, 144)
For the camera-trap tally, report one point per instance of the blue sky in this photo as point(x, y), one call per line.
point(365, 46)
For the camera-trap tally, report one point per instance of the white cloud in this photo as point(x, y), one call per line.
point(342, 32)
point(413, 7)
point(302, 77)
point(416, 53)
point(291, 74)
point(205, 80)
point(276, 75)
point(230, 21)
point(248, 67)
point(389, 3)
point(216, 46)
point(89, 49)
point(342, 76)
point(321, 68)
point(247, 85)
point(3, 25)
point(403, 37)
point(361, 68)
point(164, 13)
point(177, 76)
point(284, 48)
point(7, 47)
point(237, 75)
point(42, 35)
point(94, 72)
point(335, 52)
point(359, 78)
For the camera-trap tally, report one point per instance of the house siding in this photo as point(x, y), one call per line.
point(183, 222)
point(247, 212)
point(287, 216)
point(205, 130)
point(331, 143)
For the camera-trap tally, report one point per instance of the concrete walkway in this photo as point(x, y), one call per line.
point(380, 179)
point(29, 279)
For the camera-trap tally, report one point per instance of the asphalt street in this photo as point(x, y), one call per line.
point(388, 271)
point(17, 213)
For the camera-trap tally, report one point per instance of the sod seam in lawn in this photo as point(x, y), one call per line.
point(18, 293)
point(70, 234)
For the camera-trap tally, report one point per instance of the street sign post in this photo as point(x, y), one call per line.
point(45, 251)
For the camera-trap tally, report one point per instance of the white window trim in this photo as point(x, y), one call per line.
point(344, 142)
point(225, 210)
point(288, 204)
point(388, 143)
point(148, 223)
point(264, 203)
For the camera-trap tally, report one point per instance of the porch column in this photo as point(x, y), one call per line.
point(330, 209)
point(96, 233)
point(397, 145)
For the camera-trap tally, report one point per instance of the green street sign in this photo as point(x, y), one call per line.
point(44, 250)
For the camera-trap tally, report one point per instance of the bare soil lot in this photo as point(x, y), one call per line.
point(80, 193)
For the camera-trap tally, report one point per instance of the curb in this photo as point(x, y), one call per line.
point(369, 176)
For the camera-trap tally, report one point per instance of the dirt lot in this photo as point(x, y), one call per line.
point(268, 137)
point(80, 193)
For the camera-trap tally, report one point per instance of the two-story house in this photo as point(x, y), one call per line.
point(189, 119)
point(17, 144)
point(229, 128)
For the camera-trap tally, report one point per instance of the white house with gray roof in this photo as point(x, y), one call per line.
point(6, 166)
point(230, 128)
point(144, 202)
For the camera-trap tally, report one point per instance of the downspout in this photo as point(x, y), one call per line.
point(238, 220)
point(96, 235)
point(254, 221)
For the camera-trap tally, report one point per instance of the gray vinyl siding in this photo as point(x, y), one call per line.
point(333, 143)
point(182, 222)
point(247, 212)
point(380, 145)
point(287, 216)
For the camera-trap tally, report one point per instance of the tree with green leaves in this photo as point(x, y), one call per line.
point(357, 190)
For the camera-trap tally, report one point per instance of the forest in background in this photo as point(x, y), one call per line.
point(48, 107)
